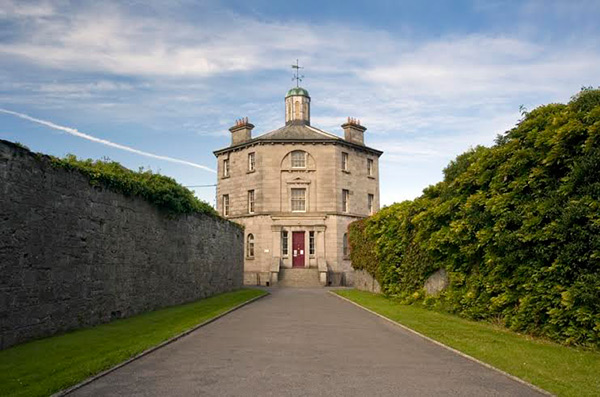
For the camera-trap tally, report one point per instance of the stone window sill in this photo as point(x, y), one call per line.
point(225, 177)
point(250, 258)
point(250, 171)
point(346, 172)
point(371, 177)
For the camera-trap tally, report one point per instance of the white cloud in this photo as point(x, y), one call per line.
point(424, 101)
point(79, 134)
point(22, 9)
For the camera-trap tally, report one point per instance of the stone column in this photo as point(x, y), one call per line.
point(320, 251)
point(320, 241)
point(275, 262)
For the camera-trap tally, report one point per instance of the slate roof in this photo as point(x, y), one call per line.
point(298, 132)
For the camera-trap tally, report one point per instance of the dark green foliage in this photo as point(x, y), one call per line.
point(517, 227)
point(160, 190)
point(19, 144)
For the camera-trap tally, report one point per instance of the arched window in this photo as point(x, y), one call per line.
point(298, 159)
point(345, 247)
point(250, 246)
point(297, 109)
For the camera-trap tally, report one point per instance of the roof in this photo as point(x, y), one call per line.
point(298, 132)
point(297, 91)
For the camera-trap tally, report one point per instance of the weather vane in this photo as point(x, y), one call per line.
point(297, 76)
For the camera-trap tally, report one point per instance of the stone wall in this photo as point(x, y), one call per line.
point(73, 255)
point(365, 282)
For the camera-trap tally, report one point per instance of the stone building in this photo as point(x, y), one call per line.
point(295, 190)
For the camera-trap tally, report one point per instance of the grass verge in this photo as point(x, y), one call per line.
point(45, 366)
point(561, 370)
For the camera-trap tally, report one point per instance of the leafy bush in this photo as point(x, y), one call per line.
point(516, 226)
point(160, 190)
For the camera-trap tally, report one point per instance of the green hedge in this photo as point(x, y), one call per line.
point(160, 190)
point(516, 226)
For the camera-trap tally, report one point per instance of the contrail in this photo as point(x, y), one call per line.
point(80, 134)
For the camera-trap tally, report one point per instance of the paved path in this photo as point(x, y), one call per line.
point(303, 343)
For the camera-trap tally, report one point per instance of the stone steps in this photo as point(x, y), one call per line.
point(299, 278)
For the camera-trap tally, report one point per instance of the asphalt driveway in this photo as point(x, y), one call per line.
point(303, 342)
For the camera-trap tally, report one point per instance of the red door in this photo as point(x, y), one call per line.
point(298, 249)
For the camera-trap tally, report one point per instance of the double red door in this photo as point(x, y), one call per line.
point(298, 249)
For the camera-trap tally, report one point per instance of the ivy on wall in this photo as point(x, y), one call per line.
point(160, 190)
point(516, 226)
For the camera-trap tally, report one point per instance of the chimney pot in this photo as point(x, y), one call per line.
point(353, 131)
point(241, 132)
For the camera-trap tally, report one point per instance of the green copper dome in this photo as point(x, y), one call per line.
point(297, 91)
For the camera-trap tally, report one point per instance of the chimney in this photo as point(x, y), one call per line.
point(241, 131)
point(353, 131)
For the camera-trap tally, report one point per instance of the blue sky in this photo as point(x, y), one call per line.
point(429, 79)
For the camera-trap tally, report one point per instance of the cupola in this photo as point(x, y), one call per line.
point(297, 106)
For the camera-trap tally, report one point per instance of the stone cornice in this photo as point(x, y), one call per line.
point(339, 141)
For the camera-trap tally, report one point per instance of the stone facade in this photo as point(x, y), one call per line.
point(297, 186)
point(73, 255)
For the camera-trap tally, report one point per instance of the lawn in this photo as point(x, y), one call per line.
point(561, 370)
point(48, 365)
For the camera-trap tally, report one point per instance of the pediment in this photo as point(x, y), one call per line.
point(298, 181)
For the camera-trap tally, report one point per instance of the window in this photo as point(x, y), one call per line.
point(370, 167)
point(250, 246)
point(344, 161)
point(345, 200)
point(298, 200)
point(225, 205)
point(345, 247)
point(370, 203)
point(298, 159)
point(297, 110)
point(311, 243)
point(251, 161)
point(250, 201)
point(284, 243)
point(225, 168)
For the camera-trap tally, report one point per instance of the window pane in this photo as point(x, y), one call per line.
point(284, 243)
point(298, 199)
point(311, 243)
point(345, 245)
point(250, 246)
point(345, 198)
point(298, 159)
point(250, 201)
point(251, 161)
point(226, 204)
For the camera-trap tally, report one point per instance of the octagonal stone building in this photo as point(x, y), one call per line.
point(295, 190)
